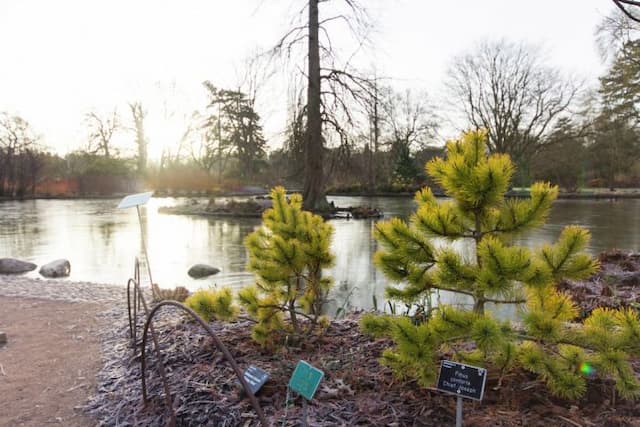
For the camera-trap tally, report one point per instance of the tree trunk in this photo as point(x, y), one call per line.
point(376, 135)
point(314, 197)
point(3, 172)
point(478, 299)
point(219, 148)
point(142, 145)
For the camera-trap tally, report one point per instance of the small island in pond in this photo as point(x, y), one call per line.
point(254, 207)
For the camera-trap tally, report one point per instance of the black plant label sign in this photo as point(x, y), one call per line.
point(255, 378)
point(462, 380)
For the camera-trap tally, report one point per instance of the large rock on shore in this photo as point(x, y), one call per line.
point(15, 266)
point(199, 271)
point(57, 268)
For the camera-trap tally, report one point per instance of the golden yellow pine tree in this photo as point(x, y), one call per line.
point(563, 353)
point(287, 253)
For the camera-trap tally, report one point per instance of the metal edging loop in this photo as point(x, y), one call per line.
point(219, 345)
point(139, 302)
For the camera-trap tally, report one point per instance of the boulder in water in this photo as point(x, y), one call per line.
point(57, 268)
point(15, 266)
point(199, 271)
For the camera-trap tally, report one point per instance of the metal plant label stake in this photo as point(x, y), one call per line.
point(463, 381)
point(138, 200)
point(255, 378)
point(305, 381)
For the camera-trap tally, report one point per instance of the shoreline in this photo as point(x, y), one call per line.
point(591, 194)
point(17, 286)
point(587, 194)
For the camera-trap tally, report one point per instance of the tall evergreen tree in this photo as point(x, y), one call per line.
point(620, 87)
point(614, 145)
point(232, 127)
point(405, 172)
point(246, 135)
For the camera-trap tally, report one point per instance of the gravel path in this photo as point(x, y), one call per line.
point(60, 290)
point(57, 340)
point(61, 335)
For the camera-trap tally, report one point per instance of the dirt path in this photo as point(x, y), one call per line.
point(48, 367)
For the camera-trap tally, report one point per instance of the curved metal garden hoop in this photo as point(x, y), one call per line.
point(136, 303)
point(132, 311)
point(219, 345)
point(135, 281)
point(138, 299)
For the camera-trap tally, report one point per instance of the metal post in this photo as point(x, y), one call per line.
point(144, 249)
point(459, 412)
point(304, 412)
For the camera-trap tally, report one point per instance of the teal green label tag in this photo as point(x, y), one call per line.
point(305, 379)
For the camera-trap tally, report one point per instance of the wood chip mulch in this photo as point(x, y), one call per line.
point(616, 285)
point(356, 389)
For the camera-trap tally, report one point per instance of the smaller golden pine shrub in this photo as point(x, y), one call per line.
point(213, 304)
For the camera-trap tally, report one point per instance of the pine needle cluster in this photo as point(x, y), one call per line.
point(547, 342)
point(213, 304)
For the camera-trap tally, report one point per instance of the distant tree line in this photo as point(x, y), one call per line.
point(362, 133)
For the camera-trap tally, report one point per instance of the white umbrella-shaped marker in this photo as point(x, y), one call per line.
point(138, 200)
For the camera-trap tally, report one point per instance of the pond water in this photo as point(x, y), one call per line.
point(101, 241)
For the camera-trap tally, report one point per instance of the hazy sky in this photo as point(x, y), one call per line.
point(60, 59)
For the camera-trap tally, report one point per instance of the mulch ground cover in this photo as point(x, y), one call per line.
point(356, 389)
point(615, 285)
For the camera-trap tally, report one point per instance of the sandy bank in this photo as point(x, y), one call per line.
point(60, 289)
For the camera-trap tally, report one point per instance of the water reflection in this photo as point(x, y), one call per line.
point(20, 227)
point(101, 241)
point(613, 224)
point(356, 278)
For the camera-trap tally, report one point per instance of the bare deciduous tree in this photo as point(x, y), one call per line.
point(172, 156)
point(206, 154)
point(138, 114)
point(614, 32)
point(372, 109)
point(630, 8)
point(410, 120)
point(20, 160)
point(330, 86)
point(294, 134)
point(507, 89)
point(101, 131)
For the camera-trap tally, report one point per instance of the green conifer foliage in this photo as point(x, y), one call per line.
point(287, 254)
point(546, 341)
point(213, 304)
